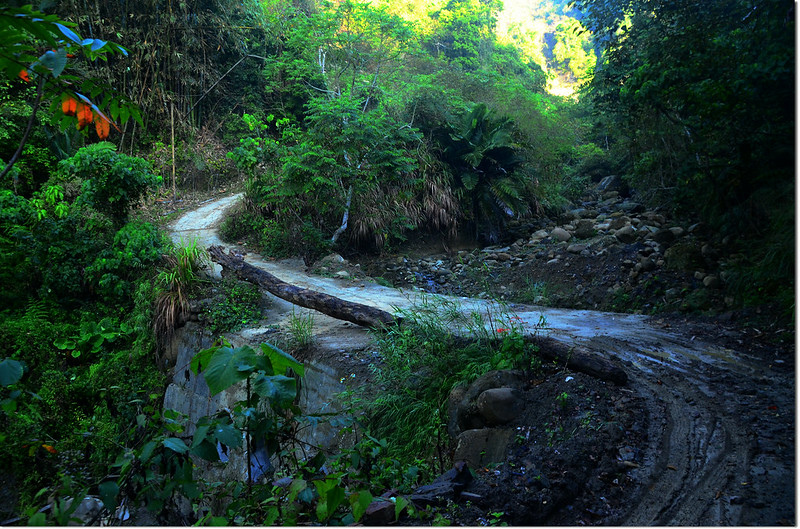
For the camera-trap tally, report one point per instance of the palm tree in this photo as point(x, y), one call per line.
point(484, 161)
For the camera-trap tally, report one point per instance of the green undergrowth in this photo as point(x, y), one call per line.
point(436, 349)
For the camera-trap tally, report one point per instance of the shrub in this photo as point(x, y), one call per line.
point(137, 246)
point(235, 306)
point(111, 182)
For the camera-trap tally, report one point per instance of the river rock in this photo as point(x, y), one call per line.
point(619, 222)
point(342, 274)
point(584, 229)
point(631, 207)
point(333, 258)
point(664, 236)
point(380, 512)
point(677, 231)
point(499, 405)
point(577, 248)
point(539, 235)
point(626, 235)
point(648, 265)
point(683, 255)
point(561, 234)
point(462, 412)
point(711, 281)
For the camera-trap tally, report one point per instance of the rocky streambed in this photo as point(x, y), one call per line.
point(608, 254)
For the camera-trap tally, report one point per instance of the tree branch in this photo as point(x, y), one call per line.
point(13, 160)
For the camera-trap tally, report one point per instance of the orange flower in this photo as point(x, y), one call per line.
point(23, 74)
point(50, 449)
point(85, 115)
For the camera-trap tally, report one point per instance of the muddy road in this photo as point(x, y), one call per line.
point(721, 447)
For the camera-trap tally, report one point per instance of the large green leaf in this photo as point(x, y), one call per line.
point(227, 366)
point(10, 372)
point(279, 389)
point(228, 435)
point(200, 360)
point(108, 491)
point(281, 361)
point(176, 445)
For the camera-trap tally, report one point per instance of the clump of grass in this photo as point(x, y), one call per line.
point(179, 275)
point(301, 330)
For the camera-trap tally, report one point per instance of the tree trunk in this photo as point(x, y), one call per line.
point(575, 357)
point(580, 359)
point(338, 308)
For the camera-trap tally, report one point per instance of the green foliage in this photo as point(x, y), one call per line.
point(23, 33)
point(484, 159)
point(467, 30)
point(137, 246)
point(10, 372)
point(301, 330)
point(174, 283)
point(70, 412)
point(237, 305)
point(573, 50)
point(111, 182)
point(699, 96)
point(418, 371)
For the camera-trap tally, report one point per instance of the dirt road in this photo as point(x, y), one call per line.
point(722, 445)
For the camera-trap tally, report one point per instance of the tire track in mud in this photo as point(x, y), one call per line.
point(714, 455)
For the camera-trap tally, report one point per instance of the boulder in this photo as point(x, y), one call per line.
point(712, 281)
point(664, 236)
point(631, 207)
point(380, 512)
point(482, 447)
point(619, 222)
point(539, 235)
point(648, 265)
point(499, 405)
point(462, 408)
point(683, 255)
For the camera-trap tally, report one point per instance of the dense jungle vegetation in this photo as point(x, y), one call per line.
point(351, 126)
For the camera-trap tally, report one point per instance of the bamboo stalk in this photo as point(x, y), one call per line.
point(172, 131)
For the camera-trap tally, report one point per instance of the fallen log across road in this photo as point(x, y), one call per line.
point(574, 357)
point(332, 306)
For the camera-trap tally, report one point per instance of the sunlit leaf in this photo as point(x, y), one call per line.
point(71, 35)
point(281, 361)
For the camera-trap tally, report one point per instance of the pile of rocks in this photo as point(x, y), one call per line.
point(610, 253)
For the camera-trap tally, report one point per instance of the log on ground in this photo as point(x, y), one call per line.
point(338, 308)
point(580, 359)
